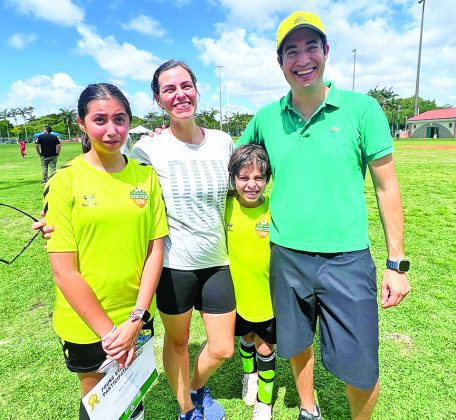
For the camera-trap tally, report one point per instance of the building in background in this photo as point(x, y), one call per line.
point(438, 123)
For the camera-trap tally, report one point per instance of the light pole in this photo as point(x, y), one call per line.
point(354, 67)
point(220, 93)
point(417, 88)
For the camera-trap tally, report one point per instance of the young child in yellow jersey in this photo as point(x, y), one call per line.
point(247, 221)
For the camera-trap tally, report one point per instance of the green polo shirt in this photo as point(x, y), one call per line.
point(318, 166)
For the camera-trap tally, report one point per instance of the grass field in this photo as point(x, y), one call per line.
point(417, 339)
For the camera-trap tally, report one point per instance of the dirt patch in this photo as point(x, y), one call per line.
point(429, 146)
point(36, 305)
point(405, 342)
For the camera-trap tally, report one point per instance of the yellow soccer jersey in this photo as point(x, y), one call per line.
point(108, 219)
point(247, 232)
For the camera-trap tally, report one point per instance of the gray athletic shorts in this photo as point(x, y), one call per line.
point(341, 290)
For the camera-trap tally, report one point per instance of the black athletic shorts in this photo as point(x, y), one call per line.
point(341, 290)
point(266, 330)
point(84, 358)
point(208, 289)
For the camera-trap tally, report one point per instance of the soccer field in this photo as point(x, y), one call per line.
point(417, 339)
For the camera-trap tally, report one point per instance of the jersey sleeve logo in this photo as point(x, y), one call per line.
point(139, 197)
point(262, 229)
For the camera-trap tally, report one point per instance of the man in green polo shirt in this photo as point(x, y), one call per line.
point(320, 141)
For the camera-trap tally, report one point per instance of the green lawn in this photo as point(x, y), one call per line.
point(417, 339)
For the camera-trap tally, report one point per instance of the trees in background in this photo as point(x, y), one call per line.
point(396, 109)
point(27, 114)
point(68, 117)
point(4, 115)
point(206, 118)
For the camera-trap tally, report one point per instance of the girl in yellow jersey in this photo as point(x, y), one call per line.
point(106, 251)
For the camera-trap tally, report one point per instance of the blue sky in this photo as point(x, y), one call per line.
point(51, 49)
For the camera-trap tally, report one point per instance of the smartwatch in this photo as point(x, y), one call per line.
point(401, 266)
point(140, 314)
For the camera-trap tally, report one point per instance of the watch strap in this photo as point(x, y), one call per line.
point(401, 266)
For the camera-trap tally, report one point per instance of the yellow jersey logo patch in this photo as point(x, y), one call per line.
point(262, 229)
point(139, 197)
point(89, 200)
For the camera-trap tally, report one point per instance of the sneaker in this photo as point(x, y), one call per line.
point(250, 387)
point(305, 415)
point(211, 409)
point(262, 411)
point(194, 414)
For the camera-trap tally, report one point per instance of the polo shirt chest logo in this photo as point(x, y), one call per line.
point(139, 197)
point(89, 200)
point(335, 129)
point(262, 229)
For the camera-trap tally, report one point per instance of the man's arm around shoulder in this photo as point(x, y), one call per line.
point(395, 285)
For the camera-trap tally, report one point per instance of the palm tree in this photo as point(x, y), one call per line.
point(14, 112)
point(387, 100)
point(151, 120)
point(4, 115)
point(26, 113)
point(68, 117)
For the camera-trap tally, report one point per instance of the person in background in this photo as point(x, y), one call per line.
point(104, 290)
point(48, 148)
point(320, 141)
point(247, 221)
point(22, 147)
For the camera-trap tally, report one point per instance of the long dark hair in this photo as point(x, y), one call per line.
point(95, 92)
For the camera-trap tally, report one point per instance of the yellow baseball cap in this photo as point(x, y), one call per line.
point(297, 20)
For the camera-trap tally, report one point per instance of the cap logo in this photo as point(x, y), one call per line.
point(298, 19)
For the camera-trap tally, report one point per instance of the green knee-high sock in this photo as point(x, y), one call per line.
point(266, 375)
point(248, 353)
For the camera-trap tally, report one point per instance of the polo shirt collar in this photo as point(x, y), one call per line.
point(333, 98)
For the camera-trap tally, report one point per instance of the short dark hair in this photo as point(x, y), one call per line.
point(249, 155)
point(324, 43)
point(48, 128)
point(94, 92)
point(168, 65)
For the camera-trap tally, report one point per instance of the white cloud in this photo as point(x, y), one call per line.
point(62, 12)
point(146, 25)
point(119, 60)
point(141, 103)
point(258, 78)
point(45, 93)
point(20, 40)
point(385, 34)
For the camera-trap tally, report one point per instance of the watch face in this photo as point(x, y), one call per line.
point(404, 265)
point(146, 317)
